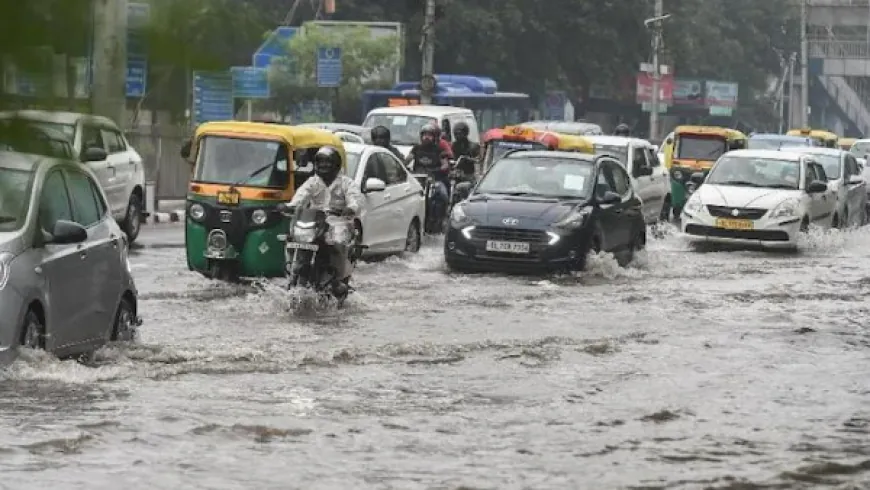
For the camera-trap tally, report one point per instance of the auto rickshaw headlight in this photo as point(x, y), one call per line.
point(259, 217)
point(678, 174)
point(197, 212)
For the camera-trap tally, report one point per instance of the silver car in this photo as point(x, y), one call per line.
point(65, 281)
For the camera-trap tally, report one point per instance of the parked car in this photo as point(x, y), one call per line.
point(405, 122)
point(759, 197)
point(65, 280)
point(537, 211)
point(121, 174)
point(395, 206)
point(649, 178)
point(846, 181)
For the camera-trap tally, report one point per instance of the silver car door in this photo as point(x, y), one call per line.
point(61, 265)
point(101, 274)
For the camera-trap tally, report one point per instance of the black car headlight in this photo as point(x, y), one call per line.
point(458, 217)
point(574, 220)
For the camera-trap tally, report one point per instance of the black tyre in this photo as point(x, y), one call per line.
point(414, 237)
point(32, 332)
point(132, 223)
point(124, 328)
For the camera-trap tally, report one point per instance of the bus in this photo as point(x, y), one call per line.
point(493, 109)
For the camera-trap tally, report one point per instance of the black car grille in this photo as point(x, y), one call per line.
point(742, 213)
point(509, 234)
point(711, 231)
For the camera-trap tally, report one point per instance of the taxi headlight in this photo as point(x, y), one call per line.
point(197, 212)
point(259, 217)
point(5, 265)
point(785, 209)
point(694, 205)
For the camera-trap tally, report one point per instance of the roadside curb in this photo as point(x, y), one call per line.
point(170, 217)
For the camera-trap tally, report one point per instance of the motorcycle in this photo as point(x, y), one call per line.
point(461, 183)
point(309, 248)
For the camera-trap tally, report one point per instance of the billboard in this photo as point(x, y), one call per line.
point(689, 92)
point(645, 84)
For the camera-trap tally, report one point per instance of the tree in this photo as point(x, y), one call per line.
point(366, 63)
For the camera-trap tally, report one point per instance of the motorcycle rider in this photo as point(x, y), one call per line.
point(463, 147)
point(431, 156)
point(381, 137)
point(622, 130)
point(328, 189)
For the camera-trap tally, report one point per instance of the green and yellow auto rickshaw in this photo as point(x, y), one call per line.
point(241, 171)
point(696, 149)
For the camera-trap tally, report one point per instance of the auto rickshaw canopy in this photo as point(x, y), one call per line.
point(294, 136)
point(725, 133)
point(827, 138)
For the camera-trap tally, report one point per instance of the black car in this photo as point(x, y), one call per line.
point(544, 211)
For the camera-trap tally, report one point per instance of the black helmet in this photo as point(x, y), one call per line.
point(460, 131)
point(622, 130)
point(381, 135)
point(327, 163)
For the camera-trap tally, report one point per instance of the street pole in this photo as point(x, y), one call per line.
point(109, 60)
point(805, 76)
point(791, 104)
point(428, 48)
point(782, 82)
point(656, 75)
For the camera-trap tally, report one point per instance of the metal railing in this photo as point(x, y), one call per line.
point(834, 49)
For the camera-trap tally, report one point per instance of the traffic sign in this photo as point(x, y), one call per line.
point(250, 82)
point(329, 67)
point(138, 15)
point(212, 96)
point(273, 47)
point(137, 77)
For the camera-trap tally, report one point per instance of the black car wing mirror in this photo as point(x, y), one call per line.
point(609, 197)
point(67, 232)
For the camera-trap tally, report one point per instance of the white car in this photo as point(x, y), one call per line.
point(395, 207)
point(759, 197)
point(121, 174)
point(649, 178)
point(846, 180)
point(406, 122)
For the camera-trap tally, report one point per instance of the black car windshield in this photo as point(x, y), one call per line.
point(26, 137)
point(706, 148)
point(249, 162)
point(745, 171)
point(618, 151)
point(775, 143)
point(544, 177)
point(14, 197)
point(404, 128)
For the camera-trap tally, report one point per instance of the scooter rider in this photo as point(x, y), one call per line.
point(381, 137)
point(431, 156)
point(463, 147)
point(327, 189)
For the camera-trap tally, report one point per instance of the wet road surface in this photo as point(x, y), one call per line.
point(685, 370)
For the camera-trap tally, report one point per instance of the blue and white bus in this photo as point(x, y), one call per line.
point(493, 109)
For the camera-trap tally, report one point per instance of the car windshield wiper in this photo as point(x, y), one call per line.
point(255, 173)
point(7, 219)
point(782, 186)
point(741, 183)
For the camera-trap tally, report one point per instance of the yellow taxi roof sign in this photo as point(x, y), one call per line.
point(519, 132)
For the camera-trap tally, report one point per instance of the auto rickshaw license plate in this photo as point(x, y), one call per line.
point(231, 198)
point(735, 224)
point(302, 246)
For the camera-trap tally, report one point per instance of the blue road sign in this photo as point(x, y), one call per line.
point(328, 67)
point(138, 15)
point(212, 96)
point(273, 47)
point(250, 82)
point(137, 77)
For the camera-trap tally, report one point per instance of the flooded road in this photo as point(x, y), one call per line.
point(685, 370)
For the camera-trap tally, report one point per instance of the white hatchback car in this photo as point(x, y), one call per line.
point(395, 207)
point(846, 180)
point(759, 197)
point(121, 174)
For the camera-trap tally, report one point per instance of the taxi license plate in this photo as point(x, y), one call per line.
point(302, 246)
point(735, 224)
point(507, 247)
point(229, 198)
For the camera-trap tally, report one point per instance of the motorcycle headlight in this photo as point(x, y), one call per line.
point(304, 235)
point(574, 220)
point(694, 205)
point(259, 217)
point(197, 212)
point(786, 209)
point(458, 216)
point(5, 261)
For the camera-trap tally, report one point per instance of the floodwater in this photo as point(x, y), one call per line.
point(685, 370)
